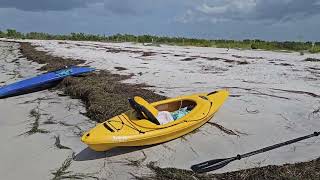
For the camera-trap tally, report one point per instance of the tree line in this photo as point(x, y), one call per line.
point(313, 47)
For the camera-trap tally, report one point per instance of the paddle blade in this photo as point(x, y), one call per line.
point(206, 163)
point(211, 165)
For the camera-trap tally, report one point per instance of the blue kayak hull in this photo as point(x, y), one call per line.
point(41, 82)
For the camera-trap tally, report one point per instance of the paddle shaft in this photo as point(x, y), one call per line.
point(269, 148)
point(219, 163)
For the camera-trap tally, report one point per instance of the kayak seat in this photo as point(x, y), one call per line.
point(136, 108)
point(144, 109)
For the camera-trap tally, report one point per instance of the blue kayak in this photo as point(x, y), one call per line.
point(41, 81)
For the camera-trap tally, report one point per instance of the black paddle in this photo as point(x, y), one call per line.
point(219, 163)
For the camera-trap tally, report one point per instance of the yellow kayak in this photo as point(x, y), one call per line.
point(140, 126)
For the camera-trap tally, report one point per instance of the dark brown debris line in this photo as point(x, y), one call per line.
point(304, 170)
point(256, 92)
point(270, 95)
point(120, 68)
point(51, 62)
point(64, 172)
point(119, 50)
point(136, 163)
point(102, 92)
point(236, 62)
point(35, 114)
point(188, 59)
point(312, 60)
point(298, 92)
point(285, 64)
point(58, 144)
point(223, 129)
point(247, 57)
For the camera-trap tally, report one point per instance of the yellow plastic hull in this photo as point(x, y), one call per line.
point(126, 130)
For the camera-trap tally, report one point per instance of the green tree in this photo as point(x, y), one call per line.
point(12, 33)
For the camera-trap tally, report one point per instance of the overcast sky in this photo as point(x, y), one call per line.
point(215, 19)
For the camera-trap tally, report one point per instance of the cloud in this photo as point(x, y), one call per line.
point(251, 10)
point(45, 5)
point(103, 7)
point(127, 7)
point(145, 7)
point(232, 19)
point(287, 9)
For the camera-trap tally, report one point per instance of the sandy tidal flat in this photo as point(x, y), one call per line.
point(274, 97)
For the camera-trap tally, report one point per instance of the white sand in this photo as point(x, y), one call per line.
point(34, 156)
point(262, 119)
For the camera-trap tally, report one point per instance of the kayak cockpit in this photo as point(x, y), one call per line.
point(162, 113)
point(176, 105)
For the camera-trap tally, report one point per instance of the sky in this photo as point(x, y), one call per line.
point(281, 20)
